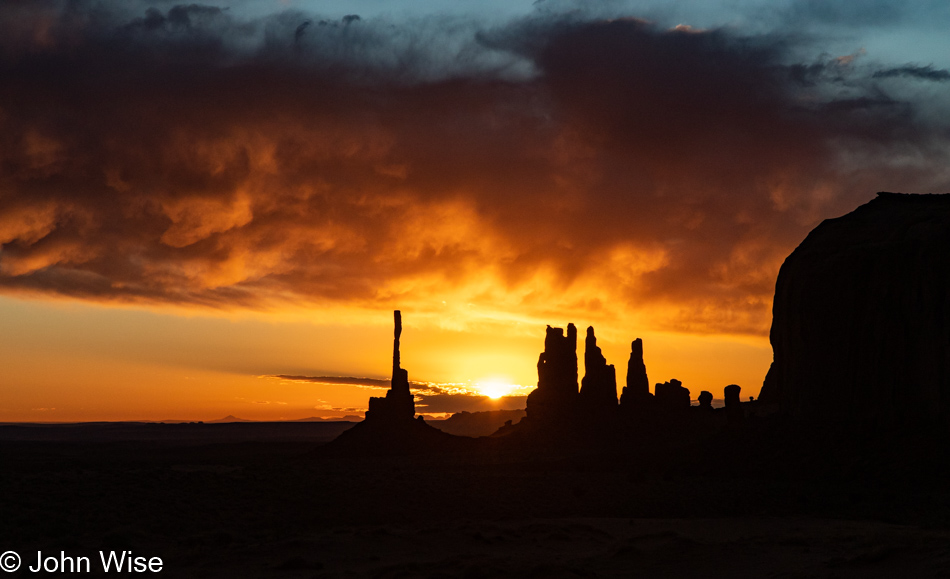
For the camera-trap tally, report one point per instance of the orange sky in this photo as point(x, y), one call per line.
point(193, 200)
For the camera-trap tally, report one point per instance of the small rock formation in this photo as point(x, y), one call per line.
point(598, 393)
point(705, 400)
point(398, 403)
point(733, 403)
point(555, 398)
point(389, 428)
point(672, 395)
point(861, 317)
point(636, 394)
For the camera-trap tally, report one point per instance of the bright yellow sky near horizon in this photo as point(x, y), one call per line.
point(67, 361)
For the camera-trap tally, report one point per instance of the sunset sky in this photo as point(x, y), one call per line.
point(213, 209)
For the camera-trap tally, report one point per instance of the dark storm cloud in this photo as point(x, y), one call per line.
point(439, 403)
point(187, 155)
point(918, 72)
point(424, 387)
point(350, 380)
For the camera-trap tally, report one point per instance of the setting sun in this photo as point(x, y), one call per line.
point(495, 388)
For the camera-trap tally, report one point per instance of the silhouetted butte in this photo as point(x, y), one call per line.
point(861, 317)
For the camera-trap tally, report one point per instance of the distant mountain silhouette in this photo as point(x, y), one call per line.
point(347, 418)
point(476, 424)
point(227, 419)
point(861, 317)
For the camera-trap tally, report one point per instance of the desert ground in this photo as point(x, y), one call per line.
point(252, 500)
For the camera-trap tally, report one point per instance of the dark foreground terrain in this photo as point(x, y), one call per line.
point(763, 501)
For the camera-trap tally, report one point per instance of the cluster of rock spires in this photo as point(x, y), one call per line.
point(557, 402)
point(556, 407)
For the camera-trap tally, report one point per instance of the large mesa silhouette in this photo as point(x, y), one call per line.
point(861, 318)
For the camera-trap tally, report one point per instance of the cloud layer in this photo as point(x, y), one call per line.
point(554, 163)
point(430, 397)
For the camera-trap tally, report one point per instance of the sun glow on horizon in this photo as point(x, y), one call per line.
point(495, 388)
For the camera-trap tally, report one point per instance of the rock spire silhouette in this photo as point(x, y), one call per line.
point(398, 403)
point(636, 394)
point(599, 386)
point(555, 398)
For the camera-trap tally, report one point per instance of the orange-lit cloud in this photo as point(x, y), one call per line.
point(555, 165)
